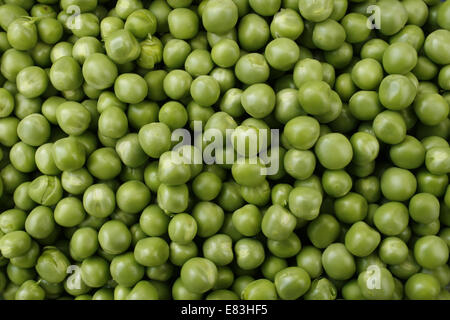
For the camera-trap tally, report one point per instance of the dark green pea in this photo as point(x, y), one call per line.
point(389, 127)
point(14, 244)
point(114, 237)
point(21, 198)
point(52, 265)
point(422, 287)
point(337, 262)
point(153, 221)
point(321, 289)
point(151, 251)
point(45, 190)
point(391, 218)
point(30, 290)
point(310, 260)
point(125, 270)
point(278, 223)
point(183, 23)
point(285, 248)
point(83, 243)
point(292, 282)
point(180, 292)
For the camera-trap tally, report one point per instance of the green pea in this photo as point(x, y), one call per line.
point(114, 237)
point(376, 283)
point(337, 262)
point(52, 265)
point(328, 35)
point(317, 11)
point(83, 243)
point(285, 248)
point(430, 251)
point(151, 251)
point(310, 260)
point(305, 202)
point(173, 199)
point(393, 250)
point(219, 249)
point(391, 218)
point(261, 289)
point(125, 270)
point(334, 151)
point(321, 289)
point(360, 230)
point(422, 286)
point(389, 127)
point(367, 74)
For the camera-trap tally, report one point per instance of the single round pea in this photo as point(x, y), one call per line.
point(183, 23)
point(253, 32)
point(219, 16)
point(376, 283)
point(173, 199)
point(367, 74)
point(40, 222)
point(45, 190)
point(199, 275)
point(328, 35)
point(389, 127)
point(361, 240)
point(52, 265)
point(316, 11)
point(99, 200)
point(337, 262)
point(261, 289)
point(291, 283)
point(398, 184)
point(225, 53)
point(219, 249)
point(351, 208)
point(252, 68)
point(249, 253)
point(151, 252)
point(287, 23)
point(305, 202)
point(409, 154)
point(34, 129)
point(132, 196)
point(114, 237)
point(177, 83)
point(310, 260)
point(125, 270)
point(209, 218)
point(391, 218)
point(285, 248)
point(83, 243)
point(393, 250)
point(431, 251)
point(278, 223)
point(422, 286)
point(182, 228)
point(334, 151)
point(300, 164)
point(323, 231)
point(336, 183)
point(435, 46)
point(247, 220)
point(15, 244)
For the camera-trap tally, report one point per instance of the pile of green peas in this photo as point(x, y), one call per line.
point(93, 205)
